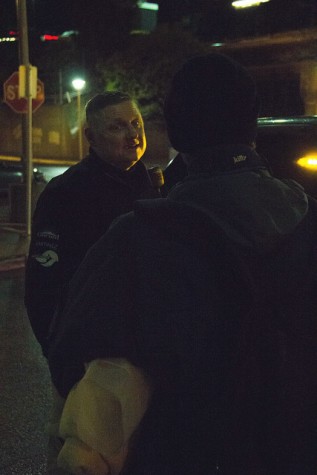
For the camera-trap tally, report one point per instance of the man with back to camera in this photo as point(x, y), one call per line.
point(161, 309)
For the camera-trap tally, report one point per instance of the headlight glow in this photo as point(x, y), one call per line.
point(309, 162)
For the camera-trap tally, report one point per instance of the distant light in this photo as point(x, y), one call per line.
point(148, 6)
point(68, 33)
point(217, 44)
point(49, 37)
point(8, 39)
point(78, 84)
point(12, 36)
point(139, 32)
point(279, 121)
point(309, 161)
point(248, 3)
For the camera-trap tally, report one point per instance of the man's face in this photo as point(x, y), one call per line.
point(119, 138)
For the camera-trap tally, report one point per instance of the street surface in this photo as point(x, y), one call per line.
point(24, 385)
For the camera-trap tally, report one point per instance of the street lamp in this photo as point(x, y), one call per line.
point(78, 85)
point(248, 3)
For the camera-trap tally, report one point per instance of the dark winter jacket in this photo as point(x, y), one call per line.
point(149, 292)
point(73, 212)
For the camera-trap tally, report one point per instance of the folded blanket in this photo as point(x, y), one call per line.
point(76, 457)
point(100, 414)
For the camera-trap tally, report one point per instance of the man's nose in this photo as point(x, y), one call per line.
point(132, 131)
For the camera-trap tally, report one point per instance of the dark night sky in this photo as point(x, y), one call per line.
point(56, 15)
point(46, 16)
point(49, 15)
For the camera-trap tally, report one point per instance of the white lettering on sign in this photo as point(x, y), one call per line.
point(12, 92)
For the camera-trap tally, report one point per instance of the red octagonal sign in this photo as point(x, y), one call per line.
point(11, 95)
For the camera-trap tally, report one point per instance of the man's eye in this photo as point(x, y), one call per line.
point(136, 124)
point(115, 128)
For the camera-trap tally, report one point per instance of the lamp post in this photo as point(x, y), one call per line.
point(78, 85)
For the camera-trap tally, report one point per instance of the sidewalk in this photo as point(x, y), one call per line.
point(14, 243)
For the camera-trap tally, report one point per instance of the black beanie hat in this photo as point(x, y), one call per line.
point(212, 100)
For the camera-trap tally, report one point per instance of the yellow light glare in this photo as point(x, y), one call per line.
point(248, 3)
point(309, 161)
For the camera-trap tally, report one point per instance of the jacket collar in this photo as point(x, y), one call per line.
point(226, 158)
point(110, 169)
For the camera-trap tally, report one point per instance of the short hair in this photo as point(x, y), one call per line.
point(99, 102)
point(212, 100)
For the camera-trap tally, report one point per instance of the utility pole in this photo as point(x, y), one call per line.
point(27, 152)
point(313, 13)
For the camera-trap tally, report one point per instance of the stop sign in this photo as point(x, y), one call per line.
point(11, 95)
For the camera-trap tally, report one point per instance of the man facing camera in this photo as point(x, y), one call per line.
point(77, 207)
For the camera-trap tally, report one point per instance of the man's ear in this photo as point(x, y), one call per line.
point(89, 134)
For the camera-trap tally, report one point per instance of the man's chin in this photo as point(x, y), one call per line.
point(130, 165)
point(127, 164)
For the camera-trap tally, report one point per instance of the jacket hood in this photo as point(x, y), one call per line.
point(252, 207)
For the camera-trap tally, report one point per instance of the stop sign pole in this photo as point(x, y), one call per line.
point(26, 118)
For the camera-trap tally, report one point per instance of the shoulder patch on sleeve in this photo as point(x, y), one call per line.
point(47, 258)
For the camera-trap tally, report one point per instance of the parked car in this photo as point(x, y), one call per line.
point(12, 172)
point(289, 144)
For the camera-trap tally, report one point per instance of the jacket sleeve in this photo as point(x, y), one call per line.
point(46, 267)
point(97, 318)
